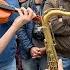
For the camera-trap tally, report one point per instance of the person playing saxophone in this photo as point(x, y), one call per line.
point(61, 29)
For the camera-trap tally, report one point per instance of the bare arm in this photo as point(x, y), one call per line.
point(19, 21)
point(5, 39)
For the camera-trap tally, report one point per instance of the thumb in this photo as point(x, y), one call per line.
point(60, 65)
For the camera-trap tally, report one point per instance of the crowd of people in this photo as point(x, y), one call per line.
point(25, 35)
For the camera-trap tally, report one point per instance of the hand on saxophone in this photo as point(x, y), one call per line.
point(35, 52)
point(60, 65)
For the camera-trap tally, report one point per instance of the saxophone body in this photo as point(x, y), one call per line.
point(49, 37)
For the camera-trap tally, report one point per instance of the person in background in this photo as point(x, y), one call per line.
point(7, 36)
point(31, 60)
point(30, 42)
point(26, 4)
point(61, 30)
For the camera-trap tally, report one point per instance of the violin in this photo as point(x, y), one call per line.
point(4, 14)
point(6, 11)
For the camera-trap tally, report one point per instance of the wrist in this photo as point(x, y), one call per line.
point(16, 25)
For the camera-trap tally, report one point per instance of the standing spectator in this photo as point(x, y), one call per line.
point(30, 42)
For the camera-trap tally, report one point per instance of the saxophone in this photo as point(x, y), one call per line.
point(49, 40)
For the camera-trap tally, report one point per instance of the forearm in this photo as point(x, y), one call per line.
point(5, 39)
